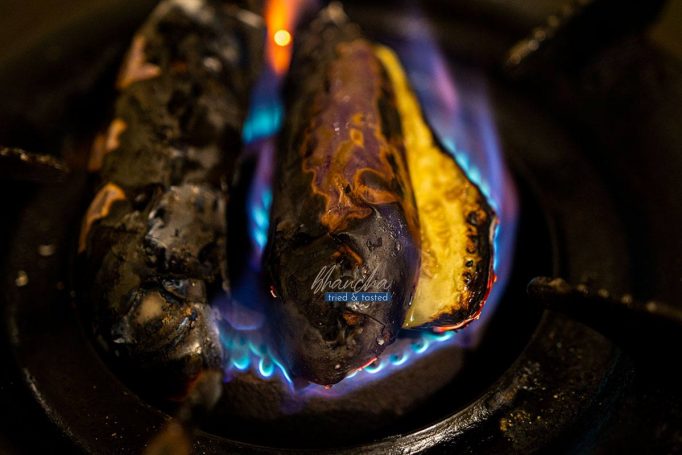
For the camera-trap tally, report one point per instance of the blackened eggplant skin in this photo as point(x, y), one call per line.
point(342, 202)
point(153, 237)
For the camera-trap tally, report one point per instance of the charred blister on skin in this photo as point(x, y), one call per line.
point(136, 68)
point(478, 277)
point(185, 228)
point(105, 143)
point(99, 208)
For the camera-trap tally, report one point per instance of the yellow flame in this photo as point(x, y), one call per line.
point(282, 38)
point(281, 17)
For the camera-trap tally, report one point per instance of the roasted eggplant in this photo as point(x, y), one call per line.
point(153, 238)
point(457, 223)
point(365, 196)
point(344, 216)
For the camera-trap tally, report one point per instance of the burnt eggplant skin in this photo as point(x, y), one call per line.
point(342, 202)
point(153, 238)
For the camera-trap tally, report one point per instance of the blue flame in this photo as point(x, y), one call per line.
point(458, 108)
point(260, 199)
point(263, 122)
point(248, 352)
point(266, 110)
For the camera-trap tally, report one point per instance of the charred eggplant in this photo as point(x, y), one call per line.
point(366, 196)
point(344, 216)
point(153, 237)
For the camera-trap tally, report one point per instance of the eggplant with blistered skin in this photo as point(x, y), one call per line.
point(366, 196)
point(343, 216)
point(153, 238)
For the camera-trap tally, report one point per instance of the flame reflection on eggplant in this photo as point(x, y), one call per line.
point(456, 103)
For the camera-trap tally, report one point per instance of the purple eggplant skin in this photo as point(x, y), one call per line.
point(342, 201)
point(153, 239)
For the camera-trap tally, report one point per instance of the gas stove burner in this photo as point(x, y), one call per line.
point(590, 143)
